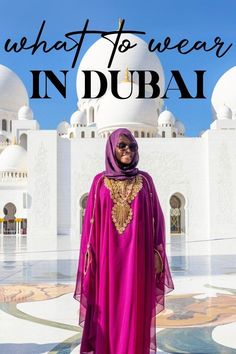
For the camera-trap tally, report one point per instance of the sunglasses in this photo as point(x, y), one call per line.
point(132, 146)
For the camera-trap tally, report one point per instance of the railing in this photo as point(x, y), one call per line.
point(4, 143)
point(13, 176)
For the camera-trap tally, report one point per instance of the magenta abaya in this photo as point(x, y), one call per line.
point(119, 292)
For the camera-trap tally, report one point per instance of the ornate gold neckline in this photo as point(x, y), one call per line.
point(122, 193)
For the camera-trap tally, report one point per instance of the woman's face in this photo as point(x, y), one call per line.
point(124, 154)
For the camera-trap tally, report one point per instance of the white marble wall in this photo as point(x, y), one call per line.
point(87, 159)
point(179, 166)
point(176, 165)
point(222, 182)
point(63, 186)
point(42, 183)
point(13, 194)
point(202, 170)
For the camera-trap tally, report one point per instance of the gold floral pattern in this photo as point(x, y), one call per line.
point(33, 292)
point(122, 193)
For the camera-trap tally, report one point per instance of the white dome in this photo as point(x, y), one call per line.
point(78, 117)
point(98, 55)
point(180, 126)
point(224, 112)
point(131, 112)
point(63, 127)
point(225, 92)
point(13, 159)
point(166, 117)
point(25, 113)
point(13, 94)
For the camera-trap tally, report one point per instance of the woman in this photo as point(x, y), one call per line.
point(123, 272)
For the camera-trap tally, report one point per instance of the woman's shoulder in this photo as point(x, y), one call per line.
point(97, 177)
point(148, 179)
point(145, 174)
point(95, 182)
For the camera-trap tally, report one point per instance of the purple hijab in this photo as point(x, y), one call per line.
point(112, 168)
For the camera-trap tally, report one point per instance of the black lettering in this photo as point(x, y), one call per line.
point(87, 81)
point(200, 86)
point(152, 83)
point(220, 45)
point(158, 45)
point(49, 75)
point(126, 45)
point(114, 84)
point(35, 74)
point(181, 85)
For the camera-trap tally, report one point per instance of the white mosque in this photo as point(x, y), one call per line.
point(46, 174)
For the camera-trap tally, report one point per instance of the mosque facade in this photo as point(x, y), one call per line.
point(46, 174)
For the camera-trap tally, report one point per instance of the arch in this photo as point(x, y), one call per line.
point(87, 115)
point(91, 115)
point(174, 135)
point(9, 223)
point(92, 134)
point(71, 135)
point(148, 135)
point(83, 202)
point(136, 134)
point(142, 134)
point(177, 214)
point(82, 134)
point(163, 134)
point(23, 140)
point(4, 124)
point(23, 226)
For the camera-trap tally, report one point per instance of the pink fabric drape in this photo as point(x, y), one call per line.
point(119, 293)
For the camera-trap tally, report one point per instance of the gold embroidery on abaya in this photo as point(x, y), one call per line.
point(122, 193)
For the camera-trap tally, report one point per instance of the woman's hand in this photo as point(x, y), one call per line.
point(87, 260)
point(158, 263)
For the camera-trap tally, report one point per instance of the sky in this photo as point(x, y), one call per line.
point(202, 20)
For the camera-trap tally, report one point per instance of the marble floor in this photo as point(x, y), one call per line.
point(39, 315)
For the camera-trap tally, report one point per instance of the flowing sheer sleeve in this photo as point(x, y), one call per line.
point(164, 283)
point(86, 263)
